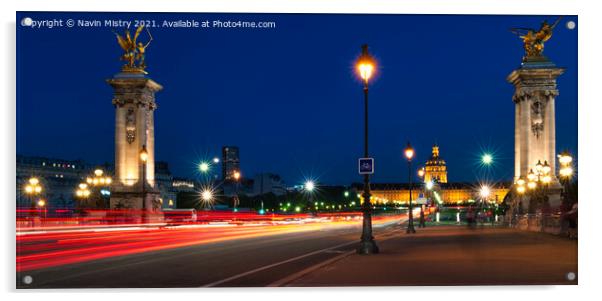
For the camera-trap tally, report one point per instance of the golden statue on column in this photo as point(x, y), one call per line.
point(134, 51)
point(533, 40)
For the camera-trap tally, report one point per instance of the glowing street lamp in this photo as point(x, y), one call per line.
point(99, 179)
point(532, 185)
point(429, 185)
point(565, 172)
point(207, 195)
point(309, 186)
point(143, 154)
point(421, 173)
point(409, 154)
point(236, 176)
point(539, 167)
point(204, 167)
point(520, 189)
point(33, 188)
point(216, 160)
point(540, 177)
point(485, 191)
point(487, 159)
point(365, 67)
point(565, 158)
point(143, 159)
point(41, 205)
point(82, 192)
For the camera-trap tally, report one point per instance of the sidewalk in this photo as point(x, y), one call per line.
point(455, 255)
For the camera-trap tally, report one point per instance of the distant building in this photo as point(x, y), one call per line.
point(435, 168)
point(446, 193)
point(59, 179)
point(268, 182)
point(183, 185)
point(164, 182)
point(230, 162)
point(435, 171)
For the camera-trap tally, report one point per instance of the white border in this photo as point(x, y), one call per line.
point(589, 142)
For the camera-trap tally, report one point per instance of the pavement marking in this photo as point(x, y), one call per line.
point(294, 276)
point(212, 284)
point(277, 264)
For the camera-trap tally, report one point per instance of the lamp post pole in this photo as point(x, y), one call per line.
point(422, 223)
point(409, 153)
point(367, 244)
point(143, 158)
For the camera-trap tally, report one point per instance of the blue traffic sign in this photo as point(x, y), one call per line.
point(366, 166)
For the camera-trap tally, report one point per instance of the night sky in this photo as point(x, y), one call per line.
point(289, 97)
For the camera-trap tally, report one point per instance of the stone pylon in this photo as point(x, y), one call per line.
point(535, 123)
point(134, 100)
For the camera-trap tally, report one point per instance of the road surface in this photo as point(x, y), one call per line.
point(185, 257)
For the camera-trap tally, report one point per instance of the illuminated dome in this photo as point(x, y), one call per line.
point(435, 169)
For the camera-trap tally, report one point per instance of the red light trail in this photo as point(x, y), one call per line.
point(61, 241)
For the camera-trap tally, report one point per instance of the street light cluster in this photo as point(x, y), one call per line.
point(541, 175)
point(82, 191)
point(566, 169)
point(33, 186)
point(99, 179)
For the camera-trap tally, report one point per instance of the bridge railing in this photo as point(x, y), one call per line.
point(538, 222)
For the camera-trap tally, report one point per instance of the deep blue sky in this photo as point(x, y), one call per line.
point(289, 97)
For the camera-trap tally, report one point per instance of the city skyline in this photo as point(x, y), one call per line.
point(243, 75)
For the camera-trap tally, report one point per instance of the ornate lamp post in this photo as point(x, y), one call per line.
point(236, 176)
point(143, 159)
point(365, 66)
point(538, 182)
point(82, 193)
point(565, 172)
point(32, 189)
point(409, 154)
point(42, 206)
point(421, 173)
point(520, 189)
point(98, 180)
point(484, 192)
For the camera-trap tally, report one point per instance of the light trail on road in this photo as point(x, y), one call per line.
point(42, 247)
